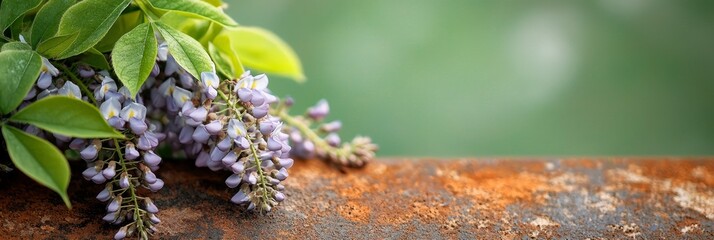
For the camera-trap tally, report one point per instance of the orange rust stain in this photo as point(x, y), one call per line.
point(354, 211)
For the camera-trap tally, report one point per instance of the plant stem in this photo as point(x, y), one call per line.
point(137, 210)
point(304, 129)
point(79, 83)
point(254, 151)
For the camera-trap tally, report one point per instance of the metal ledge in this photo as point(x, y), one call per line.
point(404, 199)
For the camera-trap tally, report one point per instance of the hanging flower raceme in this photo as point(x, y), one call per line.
point(180, 100)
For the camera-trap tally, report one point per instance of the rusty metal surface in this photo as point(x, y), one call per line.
point(405, 199)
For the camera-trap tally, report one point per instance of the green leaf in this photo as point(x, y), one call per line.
point(134, 56)
point(184, 23)
point(95, 59)
point(15, 46)
point(261, 50)
point(19, 70)
point(91, 20)
point(215, 3)
point(188, 53)
point(222, 64)
point(67, 116)
point(222, 49)
point(123, 25)
point(11, 10)
point(195, 7)
point(39, 160)
point(47, 20)
point(54, 46)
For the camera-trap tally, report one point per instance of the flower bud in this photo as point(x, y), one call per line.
point(186, 135)
point(333, 126)
point(114, 204)
point(319, 111)
point(273, 144)
point(225, 144)
point(89, 153)
point(130, 152)
point(44, 80)
point(156, 186)
point(104, 195)
point(237, 167)
point(240, 198)
point(154, 219)
point(124, 181)
point(202, 159)
point(282, 174)
point(151, 159)
point(233, 181)
point(150, 207)
point(110, 171)
point(200, 135)
point(137, 126)
point(214, 127)
point(110, 217)
point(217, 154)
point(121, 234)
point(99, 179)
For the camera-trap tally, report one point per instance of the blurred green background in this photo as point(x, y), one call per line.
point(478, 78)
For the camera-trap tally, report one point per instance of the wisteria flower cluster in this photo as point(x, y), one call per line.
point(112, 81)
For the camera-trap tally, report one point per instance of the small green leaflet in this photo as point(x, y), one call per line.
point(262, 50)
point(134, 56)
point(54, 46)
point(221, 48)
point(15, 46)
point(39, 160)
point(90, 20)
point(196, 8)
point(11, 10)
point(123, 25)
point(96, 59)
point(47, 20)
point(19, 70)
point(67, 116)
point(188, 53)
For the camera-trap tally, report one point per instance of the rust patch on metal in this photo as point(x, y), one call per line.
point(404, 199)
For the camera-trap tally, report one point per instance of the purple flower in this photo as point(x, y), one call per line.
point(333, 139)
point(236, 128)
point(214, 127)
point(210, 79)
point(278, 196)
point(71, 90)
point(233, 181)
point(230, 158)
point(130, 152)
point(150, 207)
point(114, 204)
point(133, 110)
point(333, 126)
point(104, 195)
point(110, 108)
point(186, 135)
point(110, 171)
point(201, 135)
point(124, 181)
point(240, 197)
point(121, 234)
point(225, 144)
point(151, 159)
point(156, 186)
point(44, 80)
point(89, 153)
point(319, 111)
